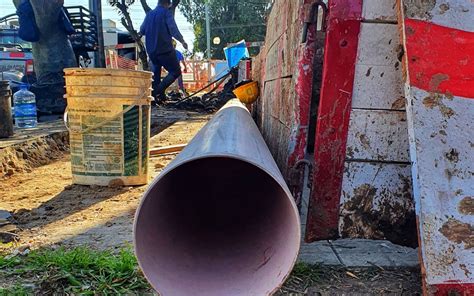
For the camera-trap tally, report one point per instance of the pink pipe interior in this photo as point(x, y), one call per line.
point(216, 226)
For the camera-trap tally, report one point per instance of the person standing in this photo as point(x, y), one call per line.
point(180, 58)
point(159, 29)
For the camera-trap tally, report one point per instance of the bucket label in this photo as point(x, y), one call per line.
point(131, 141)
point(98, 152)
point(109, 145)
point(145, 136)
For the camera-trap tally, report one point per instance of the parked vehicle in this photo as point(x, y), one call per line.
point(16, 55)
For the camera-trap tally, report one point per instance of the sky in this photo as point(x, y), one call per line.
point(137, 13)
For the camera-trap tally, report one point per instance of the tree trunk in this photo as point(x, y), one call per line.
point(52, 53)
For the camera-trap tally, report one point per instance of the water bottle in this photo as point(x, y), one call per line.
point(25, 108)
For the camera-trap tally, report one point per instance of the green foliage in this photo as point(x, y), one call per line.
point(245, 19)
point(123, 8)
point(304, 276)
point(15, 291)
point(308, 272)
point(79, 271)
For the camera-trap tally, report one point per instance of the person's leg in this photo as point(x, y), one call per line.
point(181, 83)
point(170, 62)
point(156, 68)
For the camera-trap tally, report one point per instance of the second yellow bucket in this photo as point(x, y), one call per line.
point(247, 93)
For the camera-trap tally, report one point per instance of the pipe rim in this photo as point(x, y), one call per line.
point(172, 166)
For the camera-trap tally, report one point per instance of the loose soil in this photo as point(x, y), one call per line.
point(50, 211)
point(329, 281)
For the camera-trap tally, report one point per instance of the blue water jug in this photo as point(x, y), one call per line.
point(24, 102)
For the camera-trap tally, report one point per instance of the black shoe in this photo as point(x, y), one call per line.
point(160, 98)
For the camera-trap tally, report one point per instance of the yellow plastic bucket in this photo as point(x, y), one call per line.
point(247, 93)
point(108, 118)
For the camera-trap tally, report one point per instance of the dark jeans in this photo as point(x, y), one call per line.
point(170, 62)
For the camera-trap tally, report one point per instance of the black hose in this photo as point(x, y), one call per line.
point(198, 91)
point(217, 86)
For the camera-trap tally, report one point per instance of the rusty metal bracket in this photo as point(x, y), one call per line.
point(313, 18)
point(296, 179)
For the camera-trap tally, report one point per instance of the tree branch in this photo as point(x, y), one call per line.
point(126, 21)
point(16, 3)
point(173, 7)
point(145, 6)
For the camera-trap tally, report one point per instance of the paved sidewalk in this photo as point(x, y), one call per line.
point(359, 253)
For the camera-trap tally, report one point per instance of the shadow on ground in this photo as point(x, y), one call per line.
point(73, 199)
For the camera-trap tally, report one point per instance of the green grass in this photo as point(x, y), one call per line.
point(15, 291)
point(78, 271)
point(302, 277)
point(82, 271)
point(308, 272)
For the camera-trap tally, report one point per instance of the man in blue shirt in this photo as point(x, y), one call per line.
point(159, 29)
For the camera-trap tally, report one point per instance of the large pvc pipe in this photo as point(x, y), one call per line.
point(219, 220)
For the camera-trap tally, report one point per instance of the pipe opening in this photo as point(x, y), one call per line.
point(216, 226)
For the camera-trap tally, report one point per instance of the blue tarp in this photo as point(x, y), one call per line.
point(221, 69)
point(235, 53)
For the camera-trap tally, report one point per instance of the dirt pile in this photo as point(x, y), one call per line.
point(49, 210)
point(32, 154)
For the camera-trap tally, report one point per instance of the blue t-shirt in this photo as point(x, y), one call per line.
point(158, 28)
point(179, 56)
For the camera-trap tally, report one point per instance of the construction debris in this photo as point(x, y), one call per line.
point(167, 149)
point(208, 103)
point(7, 227)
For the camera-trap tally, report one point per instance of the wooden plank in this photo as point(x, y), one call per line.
point(342, 39)
point(441, 139)
point(378, 87)
point(277, 22)
point(378, 135)
point(283, 137)
point(439, 59)
point(280, 54)
point(287, 100)
point(272, 98)
point(257, 68)
point(284, 105)
point(272, 130)
point(379, 45)
point(272, 70)
point(294, 11)
point(281, 103)
point(279, 61)
point(377, 203)
point(277, 122)
point(379, 10)
point(167, 149)
point(303, 87)
point(291, 42)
